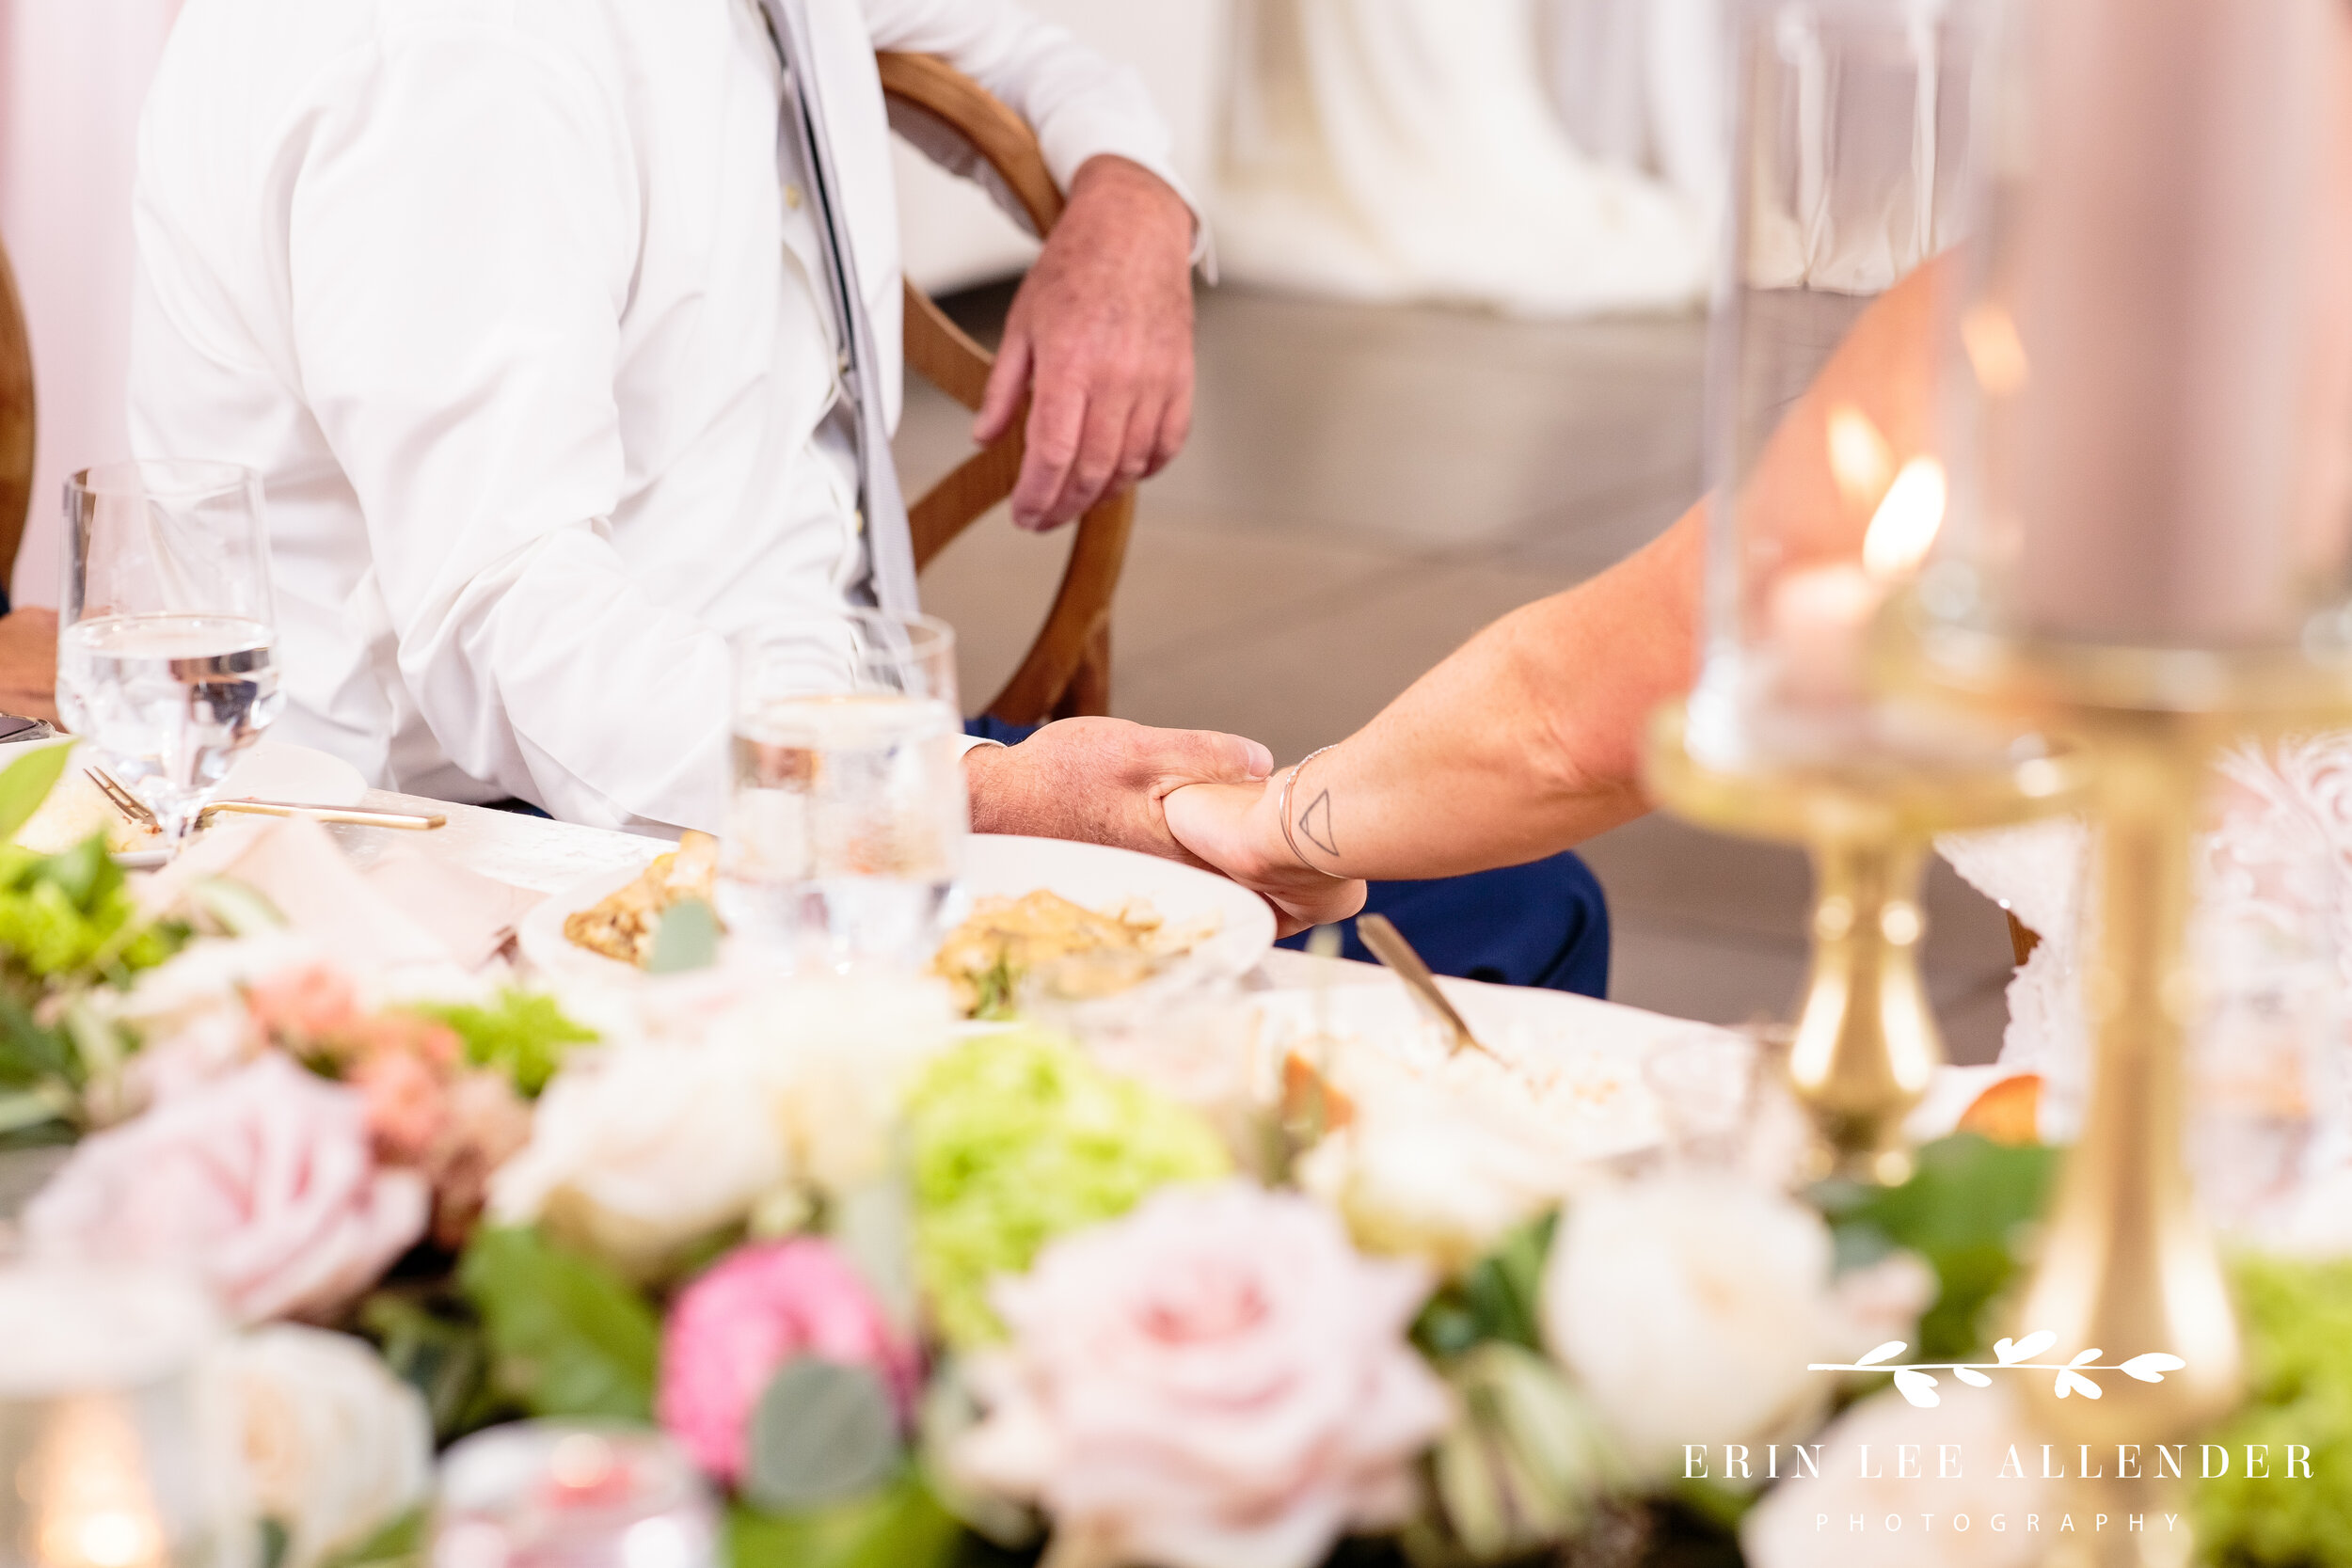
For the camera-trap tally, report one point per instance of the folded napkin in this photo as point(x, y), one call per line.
point(410, 907)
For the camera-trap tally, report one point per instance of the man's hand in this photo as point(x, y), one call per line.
point(1102, 780)
point(1235, 830)
point(28, 663)
point(1100, 338)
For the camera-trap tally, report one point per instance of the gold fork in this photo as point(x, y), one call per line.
point(135, 811)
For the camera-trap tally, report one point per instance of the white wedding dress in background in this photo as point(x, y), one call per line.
point(1408, 150)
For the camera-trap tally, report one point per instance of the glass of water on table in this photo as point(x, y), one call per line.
point(847, 816)
point(165, 628)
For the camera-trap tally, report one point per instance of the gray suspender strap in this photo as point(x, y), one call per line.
point(800, 129)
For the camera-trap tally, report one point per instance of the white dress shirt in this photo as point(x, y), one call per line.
point(504, 300)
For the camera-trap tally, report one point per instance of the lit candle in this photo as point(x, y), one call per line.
point(1820, 614)
point(2150, 466)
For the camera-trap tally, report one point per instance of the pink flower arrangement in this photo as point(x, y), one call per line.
point(303, 1006)
point(758, 1307)
point(1217, 1379)
point(263, 1181)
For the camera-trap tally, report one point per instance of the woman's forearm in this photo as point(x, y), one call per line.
point(1527, 740)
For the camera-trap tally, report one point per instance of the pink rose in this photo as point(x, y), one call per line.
point(262, 1181)
point(757, 1309)
point(303, 1006)
point(406, 1101)
point(1218, 1380)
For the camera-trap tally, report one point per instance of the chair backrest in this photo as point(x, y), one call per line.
point(1067, 669)
point(16, 423)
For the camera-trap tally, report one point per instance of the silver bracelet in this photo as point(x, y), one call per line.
point(1288, 785)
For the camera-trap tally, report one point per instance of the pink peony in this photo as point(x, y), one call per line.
point(757, 1309)
point(262, 1181)
point(1218, 1380)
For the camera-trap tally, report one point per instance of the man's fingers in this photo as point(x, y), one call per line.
point(1005, 383)
point(1137, 446)
point(1208, 756)
point(1175, 429)
point(1089, 473)
point(1058, 420)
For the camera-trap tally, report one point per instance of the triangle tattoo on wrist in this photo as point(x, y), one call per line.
point(1316, 822)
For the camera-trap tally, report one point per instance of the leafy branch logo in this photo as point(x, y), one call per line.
point(1919, 1385)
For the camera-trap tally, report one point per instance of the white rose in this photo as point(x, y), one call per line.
point(1443, 1188)
point(1689, 1307)
point(841, 1053)
point(336, 1447)
point(638, 1150)
point(1785, 1530)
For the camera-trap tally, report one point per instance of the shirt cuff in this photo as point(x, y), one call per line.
point(969, 741)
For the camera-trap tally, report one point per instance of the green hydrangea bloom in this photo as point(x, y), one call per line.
point(2297, 1319)
point(1017, 1139)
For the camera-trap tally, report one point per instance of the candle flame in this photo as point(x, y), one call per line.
point(1995, 352)
point(1905, 528)
point(1859, 458)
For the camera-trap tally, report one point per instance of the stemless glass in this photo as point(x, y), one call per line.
point(165, 628)
point(848, 814)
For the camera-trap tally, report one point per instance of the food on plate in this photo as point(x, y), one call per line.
point(621, 925)
point(1093, 951)
point(74, 810)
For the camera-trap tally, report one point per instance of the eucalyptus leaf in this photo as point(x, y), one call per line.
point(25, 782)
point(688, 938)
point(823, 1431)
point(566, 1336)
point(900, 1526)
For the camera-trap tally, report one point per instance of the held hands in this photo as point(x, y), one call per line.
point(1100, 338)
point(1237, 828)
point(1102, 780)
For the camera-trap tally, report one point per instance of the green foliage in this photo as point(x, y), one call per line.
point(1019, 1139)
point(400, 1544)
point(68, 922)
point(435, 1343)
point(823, 1431)
point(523, 1034)
point(566, 1337)
point(1495, 1299)
point(1966, 1211)
point(25, 782)
point(2297, 1321)
point(901, 1525)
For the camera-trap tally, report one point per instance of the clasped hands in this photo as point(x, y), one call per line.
point(1198, 796)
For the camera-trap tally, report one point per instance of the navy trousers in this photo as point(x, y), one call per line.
point(1543, 924)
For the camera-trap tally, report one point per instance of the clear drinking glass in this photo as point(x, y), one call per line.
point(848, 814)
point(165, 628)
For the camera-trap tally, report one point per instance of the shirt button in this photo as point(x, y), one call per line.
point(857, 522)
point(792, 197)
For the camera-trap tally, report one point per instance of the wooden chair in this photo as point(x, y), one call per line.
point(16, 422)
point(1067, 669)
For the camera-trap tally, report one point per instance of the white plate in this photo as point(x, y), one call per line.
point(1580, 1060)
point(268, 771)
point(997, 864)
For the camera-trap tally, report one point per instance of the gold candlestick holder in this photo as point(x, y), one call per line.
point(2125, 1262)
point(1865, 1044)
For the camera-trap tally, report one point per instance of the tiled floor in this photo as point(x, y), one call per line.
point(1364, 489)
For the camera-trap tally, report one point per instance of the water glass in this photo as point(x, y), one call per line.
point(165, 628)
point(847, 814)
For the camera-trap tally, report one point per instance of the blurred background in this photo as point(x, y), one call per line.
point(1452, 363)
